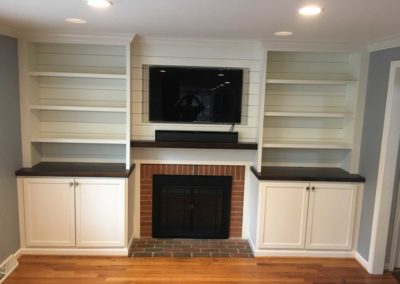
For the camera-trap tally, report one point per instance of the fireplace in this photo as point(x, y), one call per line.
point(187, 206)
point(235, 172)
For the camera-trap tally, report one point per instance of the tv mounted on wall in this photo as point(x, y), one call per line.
point(195, 94)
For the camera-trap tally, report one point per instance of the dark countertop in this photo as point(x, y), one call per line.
point(61, 169)
point(193, 145)
point(306, 174)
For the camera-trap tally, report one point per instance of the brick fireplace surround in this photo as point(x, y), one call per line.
point(146, 187)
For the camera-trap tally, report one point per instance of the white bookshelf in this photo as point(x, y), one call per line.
point(75, 96)
point(310, 109)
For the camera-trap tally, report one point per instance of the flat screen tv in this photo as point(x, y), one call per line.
point(195, 95)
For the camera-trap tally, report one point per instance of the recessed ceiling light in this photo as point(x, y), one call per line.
point(75, 21)
point(99, 3)
point(283, 33)
point(310, 10)
point(227, 82)
point(221, 75)
point(162, 71)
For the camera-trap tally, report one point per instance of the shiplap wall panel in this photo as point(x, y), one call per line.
point(81, 153)
point(201, 48)
point(78, 58)
point(304, 157)
point(294, 134)
point(82, 117)
point(200, 54)
point(80, 91)
point(292, 65)
point(66, 129)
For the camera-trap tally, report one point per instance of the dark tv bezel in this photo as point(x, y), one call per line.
point(196, 122)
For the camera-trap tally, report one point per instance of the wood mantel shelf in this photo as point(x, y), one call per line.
point(194, 145)
point(59, 169)
point(306, 174)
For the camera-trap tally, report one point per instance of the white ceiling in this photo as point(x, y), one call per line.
point(345, 21)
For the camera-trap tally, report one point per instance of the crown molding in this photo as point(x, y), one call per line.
point(313, 46)
point(206, 41)
point(7, 31)
point(384, 43)
point(104, 38)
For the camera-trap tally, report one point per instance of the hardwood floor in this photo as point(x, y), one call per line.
point(123, 270)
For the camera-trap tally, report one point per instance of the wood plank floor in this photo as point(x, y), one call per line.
point(124, 270)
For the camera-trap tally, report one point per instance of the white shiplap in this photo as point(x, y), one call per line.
point(246, 55)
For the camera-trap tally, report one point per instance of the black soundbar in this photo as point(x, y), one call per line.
point(196, 136)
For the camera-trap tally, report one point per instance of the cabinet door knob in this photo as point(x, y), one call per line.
point(71, 184)
point(307, 188)
point(313, 188)
point(76, 183)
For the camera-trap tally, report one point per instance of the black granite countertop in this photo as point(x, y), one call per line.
point(77, 170)
point(306, 174)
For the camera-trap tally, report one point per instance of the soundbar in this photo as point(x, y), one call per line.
point(196, 136)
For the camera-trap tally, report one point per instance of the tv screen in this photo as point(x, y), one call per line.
point(191, 94)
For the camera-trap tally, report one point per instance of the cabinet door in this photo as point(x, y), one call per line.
point(100, 212)
point(331, 216)
point(285, 212)
point(49, 212)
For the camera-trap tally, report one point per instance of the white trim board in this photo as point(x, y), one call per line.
point(7, 31)
point(362, 261)
point(10, 264)
point(76, 251)
point(298, 253)
point(384, 43)
point(386, 173)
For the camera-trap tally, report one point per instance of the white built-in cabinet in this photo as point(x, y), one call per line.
point(75, 99)
point(306, 215)
point(74, 212)
point(311, 113)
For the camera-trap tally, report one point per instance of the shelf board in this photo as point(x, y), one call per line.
point(78, 75)
point(309, 82)
point(80, 139)
point(306, 174)
point(78, 108)
point(307, 114)
point(306, 144)
point(68, 169)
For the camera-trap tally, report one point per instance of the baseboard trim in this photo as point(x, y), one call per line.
point(88, 252)
point(302, 253)
point(10, 264)
point(362, 261)
point(131, 241)
point(298, 253)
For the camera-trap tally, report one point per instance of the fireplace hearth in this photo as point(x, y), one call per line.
point(188, 206)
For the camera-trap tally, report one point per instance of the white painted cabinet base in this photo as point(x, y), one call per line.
point(49, 212)
point(318, 219)
point(75, 216)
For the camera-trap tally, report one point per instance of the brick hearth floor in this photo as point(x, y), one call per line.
point(147, 247)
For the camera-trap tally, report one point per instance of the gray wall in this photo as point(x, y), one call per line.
point(10, 147)
point(378, 79)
